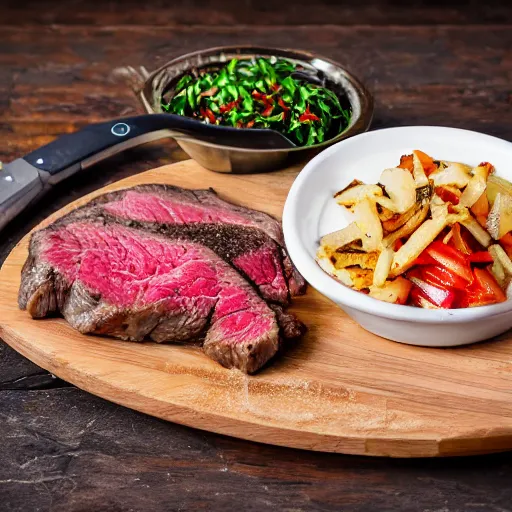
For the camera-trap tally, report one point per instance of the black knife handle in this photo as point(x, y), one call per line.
point(74, 148)
point(71, 149)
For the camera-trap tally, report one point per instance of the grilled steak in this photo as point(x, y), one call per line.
point(254, 244)
point(107, 278)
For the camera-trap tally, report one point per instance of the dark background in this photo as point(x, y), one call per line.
point(444, 63)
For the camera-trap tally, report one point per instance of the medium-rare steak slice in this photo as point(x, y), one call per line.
point(165, 204)
point(107, 278)
point(249, 250)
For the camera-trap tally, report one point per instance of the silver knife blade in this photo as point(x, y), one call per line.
point(20, 183)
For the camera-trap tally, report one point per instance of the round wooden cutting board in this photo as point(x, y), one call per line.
point(341, 389)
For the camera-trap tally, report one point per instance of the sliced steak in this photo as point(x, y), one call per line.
point(249, 250)
point(107, 278)
point(164, 204)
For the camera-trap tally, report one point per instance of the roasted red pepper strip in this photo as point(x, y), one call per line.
point(308, 116)
point(486, 281)
point(418, 299)
point(406, 162)
point(480, 257)
point(450, 258)
point(427, 161)
point(506, 240)
point(440, 276)
point(472, 298)
point(440, 297)
point(447, 195)
point(482, 292)
point(424, 259)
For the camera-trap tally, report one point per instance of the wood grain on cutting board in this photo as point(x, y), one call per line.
point(340, 389)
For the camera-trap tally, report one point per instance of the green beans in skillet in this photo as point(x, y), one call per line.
point(261, 93)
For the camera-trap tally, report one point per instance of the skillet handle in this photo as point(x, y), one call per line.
point(72, 152)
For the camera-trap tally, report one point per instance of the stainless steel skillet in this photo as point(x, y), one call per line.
point(150, 88)
point(217, 148)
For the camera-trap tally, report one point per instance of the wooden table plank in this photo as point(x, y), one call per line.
point(71, 451)
point(254, 12)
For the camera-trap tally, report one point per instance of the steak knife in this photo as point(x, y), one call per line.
point(25, 180)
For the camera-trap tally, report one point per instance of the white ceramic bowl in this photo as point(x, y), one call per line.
point(311, 212)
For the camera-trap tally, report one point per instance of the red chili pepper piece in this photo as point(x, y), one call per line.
point(480, 257)
point(258, 95)
point(265, 98)
point(208, 114)
point(308, 116)
point(282, 104)
point(450, 258)
point(229, 106)
point(268, 111)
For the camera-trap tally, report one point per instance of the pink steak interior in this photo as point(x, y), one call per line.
point(133, 270)
point(152, 208)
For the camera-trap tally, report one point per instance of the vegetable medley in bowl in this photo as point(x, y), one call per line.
point(431, 234)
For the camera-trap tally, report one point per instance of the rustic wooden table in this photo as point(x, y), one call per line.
point(63, 449)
